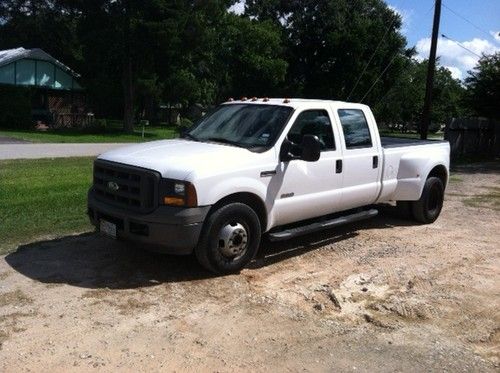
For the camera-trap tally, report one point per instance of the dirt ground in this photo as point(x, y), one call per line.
point(382, 295)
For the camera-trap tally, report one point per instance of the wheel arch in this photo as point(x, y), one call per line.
point(441, 172)
point(250, 199)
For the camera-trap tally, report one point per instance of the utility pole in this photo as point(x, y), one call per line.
point(426, 113)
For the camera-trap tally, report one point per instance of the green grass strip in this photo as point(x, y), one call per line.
point(42, 198)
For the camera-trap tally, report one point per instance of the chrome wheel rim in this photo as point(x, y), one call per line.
point(233, 240)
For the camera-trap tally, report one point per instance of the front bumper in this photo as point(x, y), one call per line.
point(173, 230)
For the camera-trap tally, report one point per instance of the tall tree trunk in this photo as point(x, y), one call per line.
point(128, 79)
point(128, 92)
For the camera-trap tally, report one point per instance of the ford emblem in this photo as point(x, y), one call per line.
point(113, 186)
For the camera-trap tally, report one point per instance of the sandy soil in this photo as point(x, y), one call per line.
point(383, 295)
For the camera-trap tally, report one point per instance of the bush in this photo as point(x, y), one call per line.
point(184, 124)
point(15, 107)
point(434, 127)
point(97, 126)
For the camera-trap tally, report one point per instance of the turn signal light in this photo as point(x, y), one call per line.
point(177, 193)
point(174, 201)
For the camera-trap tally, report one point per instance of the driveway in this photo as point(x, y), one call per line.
point(381, 295)
point(20, 151)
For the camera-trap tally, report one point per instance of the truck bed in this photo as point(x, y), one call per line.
point(397, 142)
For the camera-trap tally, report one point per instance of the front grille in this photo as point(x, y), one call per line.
point(124, 186)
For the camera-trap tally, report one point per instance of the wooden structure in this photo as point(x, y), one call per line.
point(473, 136)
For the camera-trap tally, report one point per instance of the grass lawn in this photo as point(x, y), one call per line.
point(42, 198)
point(73, 136)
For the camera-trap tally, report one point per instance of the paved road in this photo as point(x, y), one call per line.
point(20, 151)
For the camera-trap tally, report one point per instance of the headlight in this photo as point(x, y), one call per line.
point(180, 188)
point(177, 193)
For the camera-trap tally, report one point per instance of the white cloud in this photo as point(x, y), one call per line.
point(238, 8)
point(406, 17)
point(496, 35)
point(456, 73)
point(454, 57)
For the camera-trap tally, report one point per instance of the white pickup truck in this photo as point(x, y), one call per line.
point(281, 167)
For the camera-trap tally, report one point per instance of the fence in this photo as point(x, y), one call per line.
point(473, 136)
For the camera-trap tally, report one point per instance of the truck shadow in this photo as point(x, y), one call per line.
point(91, 261)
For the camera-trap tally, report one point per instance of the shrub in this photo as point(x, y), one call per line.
point(15, 107)
point(97, 126)
point(434, 127)
point(184, 124)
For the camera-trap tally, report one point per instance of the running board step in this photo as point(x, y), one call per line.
point(318, 226)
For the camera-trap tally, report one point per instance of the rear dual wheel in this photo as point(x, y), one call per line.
point(230, 239)
point(427, 209)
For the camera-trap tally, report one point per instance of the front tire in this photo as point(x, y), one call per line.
point(427, 209)
point(230, 239)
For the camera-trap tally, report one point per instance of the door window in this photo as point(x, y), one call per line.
point(313, 122)
point(355, 127)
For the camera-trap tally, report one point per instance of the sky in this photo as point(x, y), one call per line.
point(475, 24)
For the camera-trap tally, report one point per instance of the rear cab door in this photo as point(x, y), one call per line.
point(362, 161)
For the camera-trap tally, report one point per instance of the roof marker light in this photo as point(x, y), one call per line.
point(286, 101)
point(254, 98)
point(243, 98)
point(265, 99)
point(230, 99)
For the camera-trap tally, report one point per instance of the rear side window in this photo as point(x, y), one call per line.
point(313, 122)
point(355, 127)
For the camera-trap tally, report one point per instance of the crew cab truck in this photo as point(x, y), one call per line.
point(281, 167)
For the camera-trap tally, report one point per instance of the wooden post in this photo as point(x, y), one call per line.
point(426, 113)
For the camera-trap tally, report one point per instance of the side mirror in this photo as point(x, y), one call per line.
point(311, 148)
point(286, 151)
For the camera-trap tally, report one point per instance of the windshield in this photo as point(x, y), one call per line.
point(244, 125)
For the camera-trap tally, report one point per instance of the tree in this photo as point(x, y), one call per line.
point(250, 58)
point(329, 44)
point(39, 24)
point(483, 87)
point(402, 103)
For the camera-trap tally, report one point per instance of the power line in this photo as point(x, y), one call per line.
point(373, 55)
point(466, 20)
point(379, 77)
point(461, 45)
point(375, 51)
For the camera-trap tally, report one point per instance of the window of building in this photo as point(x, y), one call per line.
point(62, 80)
point(25, 72)
point(44, 74)
point(7, 74)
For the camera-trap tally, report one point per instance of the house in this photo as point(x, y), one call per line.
point(57, 97)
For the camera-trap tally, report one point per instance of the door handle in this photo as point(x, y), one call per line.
point(338, 166)
point(375, 161)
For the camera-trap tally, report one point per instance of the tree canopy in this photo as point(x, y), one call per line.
point(402, 103)
point(134, 55)
point(483, 85)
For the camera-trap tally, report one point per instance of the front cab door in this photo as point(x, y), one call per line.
point(309, 189)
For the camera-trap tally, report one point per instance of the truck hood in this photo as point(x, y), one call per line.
point(178, 158)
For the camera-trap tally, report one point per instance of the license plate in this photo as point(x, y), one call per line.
point(109, 229)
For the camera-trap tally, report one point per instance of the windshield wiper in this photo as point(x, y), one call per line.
point(224, 141)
